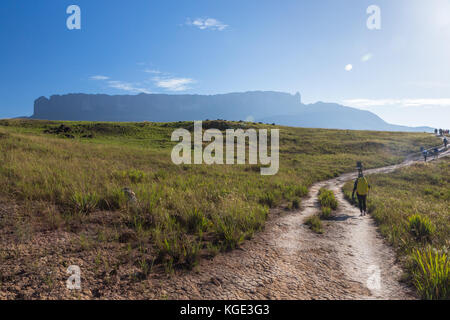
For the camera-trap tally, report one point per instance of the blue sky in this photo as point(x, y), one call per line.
point(401, 72)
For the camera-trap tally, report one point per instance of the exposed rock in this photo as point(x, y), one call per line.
point(259, 106)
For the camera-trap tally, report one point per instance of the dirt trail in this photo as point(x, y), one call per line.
point(288, 261)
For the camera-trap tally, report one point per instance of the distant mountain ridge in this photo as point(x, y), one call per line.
point(265, 106)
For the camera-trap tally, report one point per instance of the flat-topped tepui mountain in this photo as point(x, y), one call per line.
point(265, 106)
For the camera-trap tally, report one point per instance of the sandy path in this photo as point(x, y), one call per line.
point(289, 261)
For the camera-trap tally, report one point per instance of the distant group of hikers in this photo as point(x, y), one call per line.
point(435, 151)
point(428, 153)
point(441, 131)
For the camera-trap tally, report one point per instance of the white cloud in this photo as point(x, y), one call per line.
point(126, 86)
point(426, 103)
point(366, 57)
point(348, 67)
point(152, 71)
point(174, 84)
point(99, 77)
point(161, 80)
point(207, 23)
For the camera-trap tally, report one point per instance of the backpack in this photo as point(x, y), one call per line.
point(362, 187)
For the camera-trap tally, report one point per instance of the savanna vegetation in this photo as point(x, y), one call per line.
point(68, 178)
point(411, 207)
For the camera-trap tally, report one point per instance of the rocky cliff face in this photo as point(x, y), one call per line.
point(161, 107)
point(269, 107)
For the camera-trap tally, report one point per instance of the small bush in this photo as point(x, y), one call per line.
point(146, 267)
point(196, 222)
point(315, 224)
point(229, 232)
point(431, 274)
point(268, 199)
point(296, 204)
point(421, 227)
point(84, 203)
point(178, 250)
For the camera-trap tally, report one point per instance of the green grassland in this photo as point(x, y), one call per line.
point(61, 176)
point(411, 207)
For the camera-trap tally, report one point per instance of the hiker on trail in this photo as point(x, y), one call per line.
point(436, 152)
point(445, 142)
point(361, 188)
point(425, 154)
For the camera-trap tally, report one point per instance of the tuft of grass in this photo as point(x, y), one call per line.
point(296, 204)
point(421, 227)
point(229, 232)
point(196, 221)
point(328, 203)
point(326, 213)
point(146, 266)
point(114, 199)
point(175, 250)
point(327, 199)
point(315, 224)
point(431, 274)
point(270, 199)
point(85, 202)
